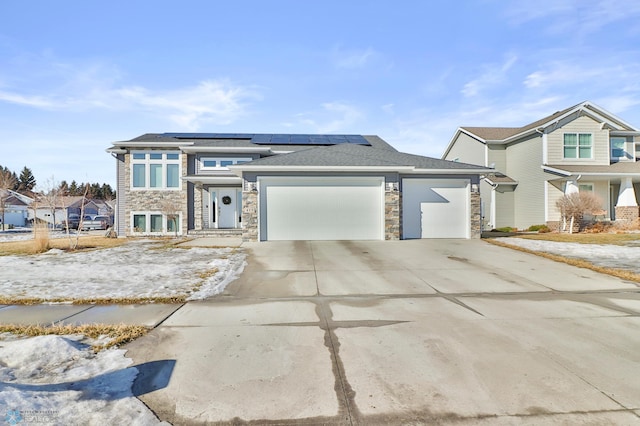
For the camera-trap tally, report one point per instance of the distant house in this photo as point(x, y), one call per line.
point(16, 208)
point(581, 148)
point(58, 214)
point(291, 187)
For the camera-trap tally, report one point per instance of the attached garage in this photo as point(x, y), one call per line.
point(436, 208)
point(321, 208)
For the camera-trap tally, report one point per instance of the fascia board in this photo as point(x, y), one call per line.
point(555, 171)
point(139, 145)
point(211, 179)
point(417, 171)
point(257, 168)
point(610, 115)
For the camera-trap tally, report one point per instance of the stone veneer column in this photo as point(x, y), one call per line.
point(250, 213)
point(627, 213)
point(476, 218)
point(197, 207)
point(392, 199)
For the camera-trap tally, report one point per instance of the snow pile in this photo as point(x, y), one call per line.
point(59, 380)
point(609, 256)
point(138, 269)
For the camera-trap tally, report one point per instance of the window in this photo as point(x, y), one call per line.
point(212, 163)
point(578, 145)
point(155, 170)
point(585, 187)
point(617, 147)
point(154, 223)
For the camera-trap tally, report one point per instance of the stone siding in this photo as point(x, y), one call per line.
point(146, 200)
point(250, 215)
point(392, 203)
point(476, 218)
point(197, 207)
point(627, 213)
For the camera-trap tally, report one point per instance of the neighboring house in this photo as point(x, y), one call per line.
point(68, 205)
point(291, 187)
point(15, 206)
point(582, 148)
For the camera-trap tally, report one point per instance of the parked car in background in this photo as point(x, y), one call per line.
point(73, 221)
point(99, 222)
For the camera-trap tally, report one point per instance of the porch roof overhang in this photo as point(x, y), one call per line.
point(213, 180)
point(627, 169)
point(499, 179)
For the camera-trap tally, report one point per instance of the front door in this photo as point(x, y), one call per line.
point(227, 208)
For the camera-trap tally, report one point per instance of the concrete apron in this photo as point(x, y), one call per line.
point(447, 332)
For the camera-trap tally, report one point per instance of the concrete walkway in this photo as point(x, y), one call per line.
point(399, 332)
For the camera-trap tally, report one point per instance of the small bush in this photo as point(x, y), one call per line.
point(505, 229)
point(597, 227)
point(536, 228)
point(545, 229)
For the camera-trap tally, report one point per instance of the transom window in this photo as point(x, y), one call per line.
point(212, 163)
point(155, 170)
point(578, 145)
point(617, 147)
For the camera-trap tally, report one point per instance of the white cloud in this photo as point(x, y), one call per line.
point(82, 87)
point(492, 75)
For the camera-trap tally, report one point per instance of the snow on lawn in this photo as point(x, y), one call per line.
point(610, 256)
point(137, 269)
point(60, 380)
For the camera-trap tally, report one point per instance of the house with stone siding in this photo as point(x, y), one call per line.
point(581, 148)
point(291, 187)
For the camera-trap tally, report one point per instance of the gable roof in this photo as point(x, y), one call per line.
point(508, 134)
point(355, 157)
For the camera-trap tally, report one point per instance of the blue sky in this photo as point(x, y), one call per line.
point(78, 75)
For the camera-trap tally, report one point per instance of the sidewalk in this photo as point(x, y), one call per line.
point(148, 315)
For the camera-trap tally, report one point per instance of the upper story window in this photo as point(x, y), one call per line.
point(155, 170)
point(617, 147)
point(213, 163)
point(578, 145)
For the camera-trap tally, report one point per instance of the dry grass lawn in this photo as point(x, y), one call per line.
point(585, 238)
point(118, 334)
point(26, 247)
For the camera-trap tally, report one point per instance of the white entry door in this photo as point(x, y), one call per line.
point(227, 204)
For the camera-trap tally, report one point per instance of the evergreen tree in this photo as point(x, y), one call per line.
point(26, 180)
point(73, 188)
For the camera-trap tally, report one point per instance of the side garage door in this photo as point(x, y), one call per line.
point(298, 208)
point(436, 208)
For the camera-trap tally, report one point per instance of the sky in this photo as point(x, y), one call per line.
point(76, 76)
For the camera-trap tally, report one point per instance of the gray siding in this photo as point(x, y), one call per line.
point(466, 149)
point(505, 209)
point(523, 165)
point(583, 125)
point(497, 155)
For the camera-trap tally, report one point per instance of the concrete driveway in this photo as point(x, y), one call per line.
point(399, 332)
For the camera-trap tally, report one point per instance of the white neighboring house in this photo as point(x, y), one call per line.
point(16, 208)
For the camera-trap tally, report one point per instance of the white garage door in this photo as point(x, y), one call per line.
point(321, 208)
point(436, 208)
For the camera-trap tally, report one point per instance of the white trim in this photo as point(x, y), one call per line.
point(147, 162)
point(554, 170)
point(239, 169)
point(577, 157)
point(218, 161)
point(148, 214)
point(225, 149)
point(545, 148)
point(213, 180)
point(546, 201)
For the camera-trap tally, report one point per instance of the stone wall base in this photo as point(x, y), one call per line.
point(627, 213)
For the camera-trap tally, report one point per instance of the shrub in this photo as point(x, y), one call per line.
point(505, 229)
point(537, 228)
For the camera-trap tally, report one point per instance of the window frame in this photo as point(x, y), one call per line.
point(577, 146)
point(219, 160)
point(147, 218)
point(147, 162)
point(624, 147)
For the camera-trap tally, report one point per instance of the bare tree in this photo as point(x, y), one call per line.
point(50, 197)
point(7, 183)
point(171, 209)
point(574, 206)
